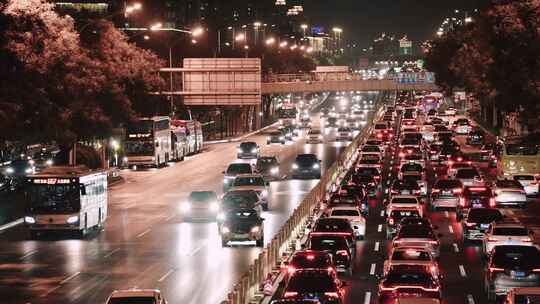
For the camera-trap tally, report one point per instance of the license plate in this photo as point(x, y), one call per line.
point(311, 297)
point(518, 274)
point(484, 226)
point(447, 192)
point(477, 205)
point(406, 192)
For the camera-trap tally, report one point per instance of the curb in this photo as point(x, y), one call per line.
point(12, 224)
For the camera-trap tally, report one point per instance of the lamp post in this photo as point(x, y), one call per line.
point(337, 36)
point(304, 28)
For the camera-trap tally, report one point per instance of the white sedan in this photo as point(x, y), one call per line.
point(529, 182)
point(509, 192)
point(501, 234)
point(353, 214)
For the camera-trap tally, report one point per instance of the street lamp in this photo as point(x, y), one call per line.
point(468, 20)
point(283, 44)
point(240, 37)
point(270, 41)
point(197, 32)
point(131, 8)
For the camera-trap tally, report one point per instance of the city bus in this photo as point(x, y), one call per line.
point(66, 198)
point(148, 142)
point(192, 132)
point(287, 114)
point(517, 157)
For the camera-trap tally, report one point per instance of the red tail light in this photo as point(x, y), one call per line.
point(391, 221)
point(536, 270)
point(379, 135)
point(290, 294)
point(462, 202)
point(492, 240)
point(434, 242)
point(470, 224)
point(342, 252)
point(527, 240)
point(391, 135)
point(435, 190)
point(492, 203)
point(450, 163)
point(291, 269)
point(457, 190)
point(495, 269)
point(395, 192)
point(459, 159)
point(331, 294)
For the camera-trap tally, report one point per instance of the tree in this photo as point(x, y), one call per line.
point(53, 87)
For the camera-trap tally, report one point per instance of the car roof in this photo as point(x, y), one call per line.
point(527, 290)
point(506, 224)
point(344, 207)
point(135, 293)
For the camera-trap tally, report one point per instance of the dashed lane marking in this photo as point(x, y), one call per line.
point(372, 269)
point(462, 271)
point(470, 299)
point(456, 248)
point(64, 281)
point(28, 254)
point(108, 255)
point(379, 228)
point(367, 297)
point(382, 213)
point(143, 233)
point(164, 277)
point(450, 228)
point(377, 244)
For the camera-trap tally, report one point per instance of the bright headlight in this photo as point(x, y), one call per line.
point(254, 150)
point(320, 137)
point(220, 216)
point(49, 162)
point(239, 150)
point(264, 193)
point(28, 170)
point(185, 207)
point(255, 229)
point(316, 166)
point(10, 170)
point(225, 229)
point(295, 166)
point(214, 206)
point(281, 138)
point(72, 219)
point(274, 170)
point(29, 220)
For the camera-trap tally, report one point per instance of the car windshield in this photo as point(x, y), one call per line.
point(235, 169)
point(371, 149)
point(522, 257)
point(484, 216)
point(374, 142)
point(467, 173)
point(314, 132)
point(411, 255)
point(240, 199)
point(409, 278)
point(447, 184)
point(132, 300)
point(310, 260)
point(203, 196)
point(327, 242)
point(248, 145)
point(404, 200)
point(477, 192)
point(406, 184)
point(527, 299)
point(512, 231)
point(306, 159)
point(311, 282)
point(411, 167)
point(410, 141)
point(368, 171)
point(415, 231)
point(380, 126)
point(248, 181)
point(510, 183)
point(332, 225)
point(345, 212)
point(60, 199)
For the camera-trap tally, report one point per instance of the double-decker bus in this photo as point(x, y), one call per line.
point(192, 132)
point(518, 157)
point(66, 198)
point(148, 142)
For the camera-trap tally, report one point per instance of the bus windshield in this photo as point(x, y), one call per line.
point(139, 148)
point(54, 199)
point(521, 150)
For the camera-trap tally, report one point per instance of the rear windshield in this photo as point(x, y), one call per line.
point(371, 149)
point(345, 213)
point(132, 300)
point(511, 231)
point(409, 278)
point(334, 225)
point(484, 215)
point(380, 126)
point(248, 181)
point(404, 200)
point(415, 231)
point(521, 150)
point(307, 282)
point(411, 167)
point(399, 214)
point(508, 184)
point(367, 171)
point(248, 145)
point(447, 184)
point(523, 177)
point(239, 169)
point(327, 242)
point(410, 141)
point(467, 173)
point(521, 256)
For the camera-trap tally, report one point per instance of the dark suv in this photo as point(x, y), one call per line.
point(318, 285)
point(512, 266)
point(242, 225)
point(474, 197)
point(446, 193)
point(306, 166)
point(477, 222)
point(248, 150)
point(339, 246)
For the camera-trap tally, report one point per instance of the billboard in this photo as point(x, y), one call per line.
point(222, 81)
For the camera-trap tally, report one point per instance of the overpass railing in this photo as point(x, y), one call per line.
point(318, 77)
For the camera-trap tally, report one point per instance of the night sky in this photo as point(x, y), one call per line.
point(362, 20)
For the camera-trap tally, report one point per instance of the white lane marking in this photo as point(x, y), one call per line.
point(28, 254)
point(446, 214)
point(12, 224)
point(382, 213)
point(108, 255)
point(69, 278)
point(456, 248)
point(372, 269)
point(379, 228)
point(163, 277)
point(143, 233)
point(470, 299)
point(388, 182)
point(386, 190)
point(367, 297)
point(376, 246)
point(50, 291)
point(462, 271)
point(450, 228)
point(170, 217)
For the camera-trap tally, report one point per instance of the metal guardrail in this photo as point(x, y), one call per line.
point(316, 77)
point(250, 285)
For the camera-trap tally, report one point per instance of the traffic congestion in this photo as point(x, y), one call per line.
point(435, 210)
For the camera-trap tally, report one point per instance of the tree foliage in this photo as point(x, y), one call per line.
point(53, 87)
point(497, 57)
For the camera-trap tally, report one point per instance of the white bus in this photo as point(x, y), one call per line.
point(66, 198)
point(192, 131)
point(149, 142)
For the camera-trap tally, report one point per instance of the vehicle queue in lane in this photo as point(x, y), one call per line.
point(510, 263)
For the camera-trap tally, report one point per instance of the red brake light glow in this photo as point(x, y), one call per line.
point(492, 203)
point(477, 189)
point(342, 252)
point(332, 294)
point(290, 294)
point(310, 257)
